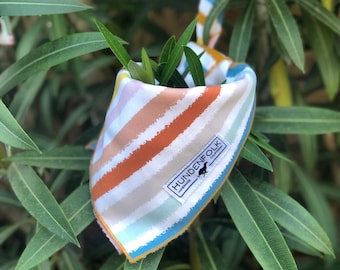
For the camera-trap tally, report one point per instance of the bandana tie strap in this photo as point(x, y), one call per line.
point(6, 34)
point(164, 152)
point(204, 9)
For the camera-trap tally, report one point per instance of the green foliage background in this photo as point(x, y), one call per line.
point(278, 210)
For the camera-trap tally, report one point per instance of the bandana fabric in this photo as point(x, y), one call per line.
point(164, 152)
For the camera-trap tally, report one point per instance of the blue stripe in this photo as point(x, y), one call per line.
point(236, 71)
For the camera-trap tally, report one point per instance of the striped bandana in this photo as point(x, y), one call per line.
point(164, 152)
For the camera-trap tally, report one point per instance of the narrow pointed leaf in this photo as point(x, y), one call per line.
point(147, 66)
point(320, 13)
point(195, 66)
point(177, 53)
point(150, 262)
point(240, 38)
point(138, 73)
point(266, 146)
point(39, 202)
point(287, 30)
point(31, 37)
point(7, 231)
point(298, 245)
point(115, 45)
point(233, 248)
point(114, 262)
point(167, 49)
point(78, 210)
point(309, 151)
point(296, 120)
point(210, 256)
point(65, 158)
point(316, 202)
point(255, 224)
point(11, 132)
point(24, 98)
point(290, 215)
point(322, 41)
point(49, 55)
point(40, 7)
point(253, 153)
point(70, 261)
point(9, 199)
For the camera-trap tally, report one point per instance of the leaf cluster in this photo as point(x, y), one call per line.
point(164, 72)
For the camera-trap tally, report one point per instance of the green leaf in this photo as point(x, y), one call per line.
point(290, 215)
point(78, 115)
point(255, 224)
point(240, 37)
point(195, 66)
point(210, 256)
point(282, 178)
point(297, 244)
point(233, 248)
point(11, 132)
point(59, 26)
point(147, 67)
point(316, 202)
point(296, 120)
point(24, 98)
point(115, 44)
point(9, 199)
point(40, 7)
point(138, 73)
point(49, 55)
point(150, 262)
point(167, 49)
point(253, 153)
point(215, 11)
point(177, 53)
point(309, 150)
point(39, 202)
point(322, 41)
point(78, 210)
point(65, 158)
point(70, 261)
point(319, 12)
point(287, 30)
point(31, 37)
point(7, 231)
point(266, 146)
point(177, 80)
point(114, 262)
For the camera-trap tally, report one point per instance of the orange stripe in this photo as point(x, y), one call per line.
point(201, 18)
point(151, 148)
point(143, 119)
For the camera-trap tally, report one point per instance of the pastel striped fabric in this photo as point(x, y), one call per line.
point(204, 10)
point(164, 152)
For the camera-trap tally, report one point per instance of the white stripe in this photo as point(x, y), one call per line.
point(149, 133)
point(205, 7)
point(140, 99)
point(138, 213)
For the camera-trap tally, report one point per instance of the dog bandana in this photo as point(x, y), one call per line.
point(164, 152)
